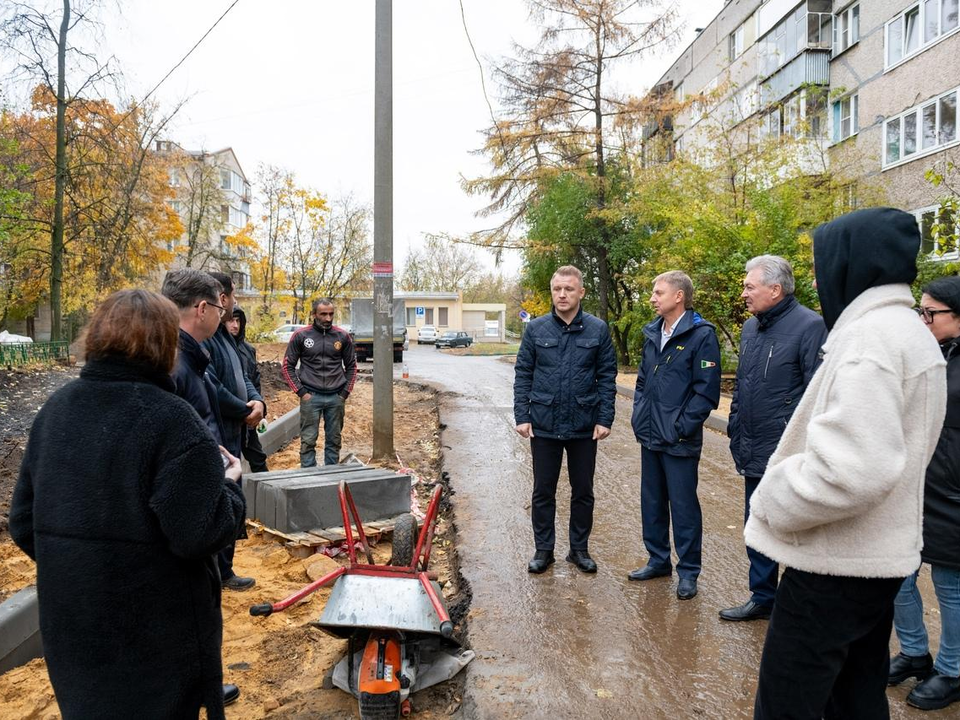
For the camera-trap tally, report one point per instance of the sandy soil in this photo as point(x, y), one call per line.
point(280, 662)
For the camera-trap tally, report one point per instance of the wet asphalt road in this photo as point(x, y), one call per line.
point(568, 645)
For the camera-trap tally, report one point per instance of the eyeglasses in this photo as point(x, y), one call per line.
point(927, 314)
point(220, 308)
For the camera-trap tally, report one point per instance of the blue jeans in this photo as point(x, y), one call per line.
point(330, 407)
point(908, 619)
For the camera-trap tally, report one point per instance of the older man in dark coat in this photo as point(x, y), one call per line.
point(779, 349)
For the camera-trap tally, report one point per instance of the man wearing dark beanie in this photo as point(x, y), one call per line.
point(840, 503)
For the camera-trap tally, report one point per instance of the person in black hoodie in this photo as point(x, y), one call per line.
point(122, 501)
point(237, 327)
point(840, 504)
point(940, 680)
point(241, 406)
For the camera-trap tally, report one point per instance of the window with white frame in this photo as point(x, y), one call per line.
point(921, 129)
point(939, 230)
point(678, 93)
point(411, 316)
point(846, 114)
point(735, 43)
point(846, 29)
point(224, 179)
point(918, 26)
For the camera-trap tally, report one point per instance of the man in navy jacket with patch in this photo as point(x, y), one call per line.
point(678, 384)
point(779, 349)
point(564, 399)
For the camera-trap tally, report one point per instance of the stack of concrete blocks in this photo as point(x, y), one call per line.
point(305, 499)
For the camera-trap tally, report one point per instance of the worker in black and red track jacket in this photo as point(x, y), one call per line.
point(323, 381)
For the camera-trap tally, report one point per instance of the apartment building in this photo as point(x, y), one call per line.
point(212, 197)
point(873, 85)
point(895, 77)
point(763, 62)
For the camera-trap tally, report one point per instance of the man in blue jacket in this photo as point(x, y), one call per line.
point(779, 348)
point(678, 384)
point(564, 398)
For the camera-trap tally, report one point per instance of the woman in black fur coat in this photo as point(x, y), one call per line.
point(123, 501)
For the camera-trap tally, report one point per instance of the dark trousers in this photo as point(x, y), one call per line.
point(330, 407)
point(253, 451)
point(826, 653)
point(763, 570)
point(225, 556)
point(668, 491)
point(581, 462)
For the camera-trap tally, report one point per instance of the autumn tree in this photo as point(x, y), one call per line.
point(117, 226)
point(561, 112)
point(41, 44)
point(441, 264)
point(326, 247)
point(275, 186)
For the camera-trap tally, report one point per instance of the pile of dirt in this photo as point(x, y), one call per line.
point(280, 661)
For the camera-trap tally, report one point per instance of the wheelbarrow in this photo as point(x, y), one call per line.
point(393, 609)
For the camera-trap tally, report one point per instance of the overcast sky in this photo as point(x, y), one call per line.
point(290, 83)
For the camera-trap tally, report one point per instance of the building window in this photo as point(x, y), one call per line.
point(224, 179)
point(921, 129)
point(678, 93)
point(846, 121)
point(224, 213)
point(939, 231)
point(411, 317)
point(442, 317)
point(428, 316)
point(918, 26)
point(846, 29)
point(735, 43)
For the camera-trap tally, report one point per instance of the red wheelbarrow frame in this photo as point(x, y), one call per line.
point(421, 558)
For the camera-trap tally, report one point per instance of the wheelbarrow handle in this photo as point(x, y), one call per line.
point(268, 608)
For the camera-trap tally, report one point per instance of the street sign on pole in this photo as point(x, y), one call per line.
point(524, 316)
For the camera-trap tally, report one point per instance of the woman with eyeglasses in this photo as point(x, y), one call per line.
point(123, 500)
point(939, 681)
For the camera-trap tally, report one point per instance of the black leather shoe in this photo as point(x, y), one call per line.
point(748, 611)
point(686, 588)
point(542, 559)
point(239, 583)
point(903, 667)
point(648, 572)
point(230, 694)
point(582, 559)
point(936, 692)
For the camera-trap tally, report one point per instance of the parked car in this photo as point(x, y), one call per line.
point(12, 339)
point(283, 333)
point(454, 338)
point(427, 335)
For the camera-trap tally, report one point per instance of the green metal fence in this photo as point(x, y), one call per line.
point(25, 353)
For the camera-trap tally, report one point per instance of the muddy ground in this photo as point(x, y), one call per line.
point(279, 662)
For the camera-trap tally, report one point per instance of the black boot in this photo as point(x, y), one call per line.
point(903, 667)
point(230, 694)
point(936, 692)
point(582, 559)
point(542, 559)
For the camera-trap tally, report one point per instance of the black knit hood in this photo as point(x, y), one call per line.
point(238, 313)
point(862, 250)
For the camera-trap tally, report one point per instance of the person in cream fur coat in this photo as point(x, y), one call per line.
point(841, 502)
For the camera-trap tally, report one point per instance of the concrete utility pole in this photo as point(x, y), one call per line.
point(383, 233)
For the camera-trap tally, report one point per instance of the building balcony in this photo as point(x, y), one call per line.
point(811, 67)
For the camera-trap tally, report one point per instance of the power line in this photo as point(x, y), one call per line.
point(483, 84)
point(189, 52)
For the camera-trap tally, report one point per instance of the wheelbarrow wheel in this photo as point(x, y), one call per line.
point(404, 540)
